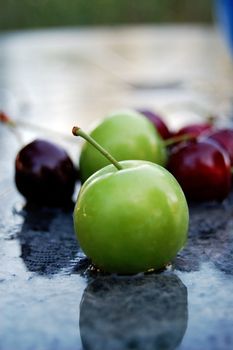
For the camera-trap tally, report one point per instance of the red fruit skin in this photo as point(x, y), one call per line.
point(45, 174)
point(203, 170)
point(158, 123)
point(194, 130)
point(224, 138)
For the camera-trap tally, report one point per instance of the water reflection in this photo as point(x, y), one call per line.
point(145, 312)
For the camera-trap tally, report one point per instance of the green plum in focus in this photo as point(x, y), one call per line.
point(130, 216)
point(127, 135)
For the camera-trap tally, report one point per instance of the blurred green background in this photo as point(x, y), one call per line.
point(17, 14)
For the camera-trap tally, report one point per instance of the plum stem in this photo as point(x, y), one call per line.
point(176, 139)
point(79, 132)
point(15, 125)
point(5, 119)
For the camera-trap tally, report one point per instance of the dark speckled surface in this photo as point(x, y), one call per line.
point(50, 299)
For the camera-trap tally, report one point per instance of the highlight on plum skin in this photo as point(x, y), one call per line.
point(195, 130)
point(223, 137)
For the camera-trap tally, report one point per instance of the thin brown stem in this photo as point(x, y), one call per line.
point(79, 132)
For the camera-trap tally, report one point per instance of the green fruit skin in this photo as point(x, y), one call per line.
point(125, 135)
point(131, 220)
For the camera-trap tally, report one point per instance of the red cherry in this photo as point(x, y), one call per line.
point(203, 170)
point(45, 174)
point(158, 123)
point(224, 138)
point(194, 130)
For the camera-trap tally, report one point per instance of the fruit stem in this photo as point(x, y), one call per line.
point(4, 118)
point(79, 132)
point(16, 124)
point(176, 139)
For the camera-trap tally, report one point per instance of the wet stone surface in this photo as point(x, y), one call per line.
point(210, 238)
point(50, 298)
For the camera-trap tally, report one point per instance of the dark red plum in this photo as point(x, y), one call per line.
point(203, 170)
point(45, 174)
point(158, 123)
point(224, 137)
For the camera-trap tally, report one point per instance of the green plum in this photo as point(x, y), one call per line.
point(130, 216)
point(126, 135)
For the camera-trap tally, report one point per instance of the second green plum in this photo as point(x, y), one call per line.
point(126, 135)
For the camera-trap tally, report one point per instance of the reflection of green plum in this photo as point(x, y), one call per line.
point(126, 135)
point(145, 312)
